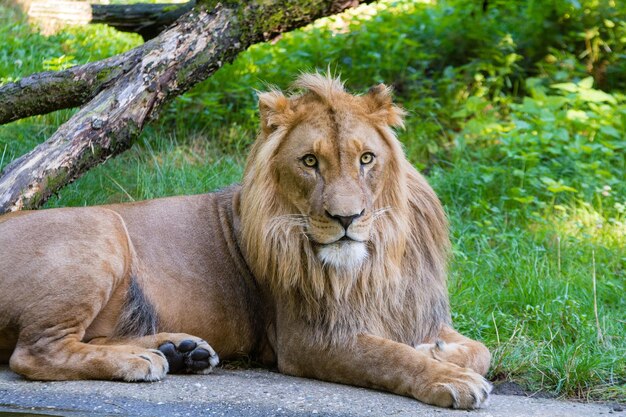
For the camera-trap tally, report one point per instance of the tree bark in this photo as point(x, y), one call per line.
point(188, 52)
point(48, 91)
point(146, 19)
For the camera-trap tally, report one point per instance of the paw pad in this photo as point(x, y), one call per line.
point(189, 356)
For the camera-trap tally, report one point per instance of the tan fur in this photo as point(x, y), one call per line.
point(332, 269)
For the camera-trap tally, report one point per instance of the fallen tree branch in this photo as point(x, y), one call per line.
point(48, 91)
point(188, 52)
point(146, 19)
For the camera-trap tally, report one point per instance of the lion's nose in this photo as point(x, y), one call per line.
point(345, 221)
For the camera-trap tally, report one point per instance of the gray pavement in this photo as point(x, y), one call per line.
point(251, 393)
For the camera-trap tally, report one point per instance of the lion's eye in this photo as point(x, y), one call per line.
point(309, 160)
point(367, 158)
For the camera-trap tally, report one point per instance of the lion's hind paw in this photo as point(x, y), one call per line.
point(147, 366)
point(190, 356)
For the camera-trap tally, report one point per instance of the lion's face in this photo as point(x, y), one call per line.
point(329, 167)
point(323, 170)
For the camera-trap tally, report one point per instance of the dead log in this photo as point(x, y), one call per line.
point(190, 51)
point(48, 91)
point(148, 20)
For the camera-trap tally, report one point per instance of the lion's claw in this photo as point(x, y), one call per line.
point(190, 356)
point(455, 387)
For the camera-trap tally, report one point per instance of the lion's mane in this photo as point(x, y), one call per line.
point(399, 291)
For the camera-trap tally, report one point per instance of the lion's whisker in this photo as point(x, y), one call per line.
point(297, 216)
point(378, 213)
point(284, 225)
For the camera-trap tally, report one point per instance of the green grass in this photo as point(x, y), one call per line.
point(528, 291)
point(525, 150)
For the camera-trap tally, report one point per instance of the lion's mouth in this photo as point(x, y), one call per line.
point(343, 240)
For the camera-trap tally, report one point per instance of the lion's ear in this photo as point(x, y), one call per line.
point(380, 106)
point(275, 110)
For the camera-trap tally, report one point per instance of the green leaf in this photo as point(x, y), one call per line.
point(525, 200)
point(577, 115)
point(610, 131)
point(522, 125)
point(596, 96)
point(586, 83)
point(559, 188)
point(569, 87)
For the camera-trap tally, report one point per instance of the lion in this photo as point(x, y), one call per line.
point(327, 262)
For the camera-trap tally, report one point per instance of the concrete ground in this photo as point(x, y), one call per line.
point(251, 393)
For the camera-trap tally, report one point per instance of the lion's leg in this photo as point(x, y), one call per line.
point(184, 353)
point(67, 358)
point(50, 343)
point(380, 363)
point(451, 346)
point(58, 354)
point(64, 272)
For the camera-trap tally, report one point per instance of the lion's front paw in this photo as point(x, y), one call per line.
point(456, 387)
point(448, 352)
point(473, 355)
point(190, 356)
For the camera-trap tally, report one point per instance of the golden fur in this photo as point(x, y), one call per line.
point(329, 262)
point(409, 230)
